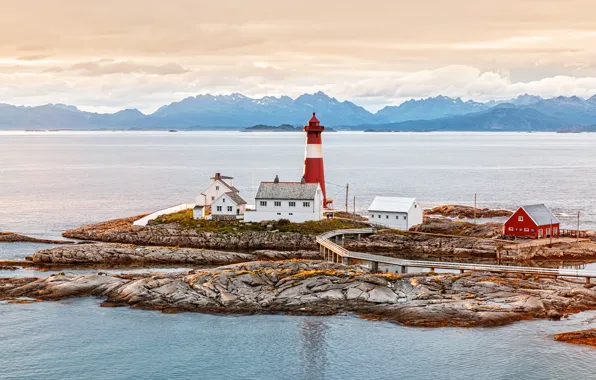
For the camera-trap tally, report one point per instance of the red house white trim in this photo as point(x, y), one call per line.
point(532, 221)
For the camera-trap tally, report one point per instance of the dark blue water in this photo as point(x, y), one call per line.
point(53, 181)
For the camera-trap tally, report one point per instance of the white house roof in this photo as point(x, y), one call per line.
point(391, 204)
point(224, 184)
point(287, 190)
point(236, 198)
point(540, 214)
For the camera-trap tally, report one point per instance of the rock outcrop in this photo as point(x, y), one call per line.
point(317, 288)
point(467, 212)
point(559, 251)
point(460, 228)
point(587, 337)
point(123, 231)
point(121, 254)
point(11, 237)
point(424, 246)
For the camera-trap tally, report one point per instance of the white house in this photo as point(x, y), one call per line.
point(219, 186)
point(295, 201)
point(394, 212)
point(228, 206)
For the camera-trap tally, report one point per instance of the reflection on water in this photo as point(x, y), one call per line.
point(313, 348)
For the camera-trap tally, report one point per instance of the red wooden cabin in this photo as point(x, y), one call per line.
point(533, 221)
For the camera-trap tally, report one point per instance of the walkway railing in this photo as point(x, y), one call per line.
point(332, 251)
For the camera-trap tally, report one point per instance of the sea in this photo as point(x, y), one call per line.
point(52, 181)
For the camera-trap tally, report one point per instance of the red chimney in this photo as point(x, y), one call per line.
point(314, 171)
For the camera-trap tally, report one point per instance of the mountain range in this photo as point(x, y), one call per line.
point(236, 111)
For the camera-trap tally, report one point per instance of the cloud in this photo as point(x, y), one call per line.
point(109, 66)
point(144, 53)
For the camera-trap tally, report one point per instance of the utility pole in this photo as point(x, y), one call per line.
point(347, 195)
point(577, 235)
point(550, 243)
point(354, 208)
point(474, 208)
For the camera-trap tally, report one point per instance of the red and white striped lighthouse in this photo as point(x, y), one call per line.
point(314, 171)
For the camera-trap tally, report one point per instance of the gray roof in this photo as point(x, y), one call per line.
point(236, 198)
point(287, 190)
point(391, 204)
point(223, 177)
point(540, 214)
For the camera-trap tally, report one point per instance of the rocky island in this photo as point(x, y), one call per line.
point(273, 267)
point(319, 288)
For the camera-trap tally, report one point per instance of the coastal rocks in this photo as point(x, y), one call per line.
point(424, 246)
point(121, 254)
point(63, 286)
point(11, 237)
point(467, 212)
point(559, 251)
point(318, 288)
point(123, 231)
point(587, 337)
point(459, 228)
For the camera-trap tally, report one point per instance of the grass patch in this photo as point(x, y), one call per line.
point(185, 220)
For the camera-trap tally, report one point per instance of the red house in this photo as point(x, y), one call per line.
point(533, 221)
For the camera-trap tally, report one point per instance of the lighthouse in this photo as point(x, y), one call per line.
point(314, 171)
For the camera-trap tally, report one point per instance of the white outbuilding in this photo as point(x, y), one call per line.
point(394, 212)
point(296, 201)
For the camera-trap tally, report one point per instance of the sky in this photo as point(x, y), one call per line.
point(108, 55)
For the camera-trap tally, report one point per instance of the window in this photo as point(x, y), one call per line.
point(372, 216)
point(212, 198)
point(291, 213)
point(263, 203)
point(292, 204)
point(405, 217)
point(520, 218)
point(277, 204)
point(223, 200)
point(396, 216)
point(216, 187)
point(510, 228)
point(415, 206)
point(279, 213)
point(218, 208)
point(305, 204)
point(532, 230)
point(386, 216)
point(526, 230)
point(230, 208)
point(380, 216)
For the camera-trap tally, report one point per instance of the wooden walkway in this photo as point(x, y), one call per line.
point(331, 251)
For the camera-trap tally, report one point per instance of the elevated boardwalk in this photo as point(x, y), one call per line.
point(331, 251)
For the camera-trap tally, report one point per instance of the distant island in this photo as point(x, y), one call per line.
point(279, 128)
point(270, 128)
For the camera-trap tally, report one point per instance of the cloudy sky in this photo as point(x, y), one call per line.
point(107, 55)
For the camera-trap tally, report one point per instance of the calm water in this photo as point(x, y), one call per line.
point(53, 181)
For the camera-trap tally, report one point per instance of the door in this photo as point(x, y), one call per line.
point(539, 233)
point(548, 232)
